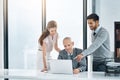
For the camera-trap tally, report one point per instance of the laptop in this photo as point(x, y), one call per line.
point(61, 66)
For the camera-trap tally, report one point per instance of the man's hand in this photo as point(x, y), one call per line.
point(76, 71)
point(79, 57)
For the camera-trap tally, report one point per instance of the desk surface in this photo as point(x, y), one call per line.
point(36, 74)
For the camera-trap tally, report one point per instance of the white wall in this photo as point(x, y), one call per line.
point(1, 34)
point(109, 11)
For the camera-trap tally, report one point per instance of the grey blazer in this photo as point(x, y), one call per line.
point(100, 47)
point(76, 65)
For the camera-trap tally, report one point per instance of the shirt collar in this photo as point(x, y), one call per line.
point(97, 30)
point(70, 53)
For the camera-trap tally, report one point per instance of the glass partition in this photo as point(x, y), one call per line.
point(24, 29)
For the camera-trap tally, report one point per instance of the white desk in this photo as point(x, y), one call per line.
point(37, 75)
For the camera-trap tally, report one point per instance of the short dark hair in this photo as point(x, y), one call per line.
point(93, 16)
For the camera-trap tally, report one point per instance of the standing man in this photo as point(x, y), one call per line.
point(100, 47)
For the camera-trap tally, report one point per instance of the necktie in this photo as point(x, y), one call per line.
point(70, 56)
point(94, 34)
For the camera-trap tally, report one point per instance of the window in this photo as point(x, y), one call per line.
point(24, 29)
point(69, 16)
point(1, 34)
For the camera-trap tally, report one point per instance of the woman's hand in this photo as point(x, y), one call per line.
point(44, 69)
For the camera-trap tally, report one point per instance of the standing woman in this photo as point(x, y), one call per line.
point(48, 40)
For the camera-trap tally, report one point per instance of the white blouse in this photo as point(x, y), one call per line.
point(50, 41)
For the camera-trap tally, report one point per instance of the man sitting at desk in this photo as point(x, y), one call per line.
point(70, 53)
